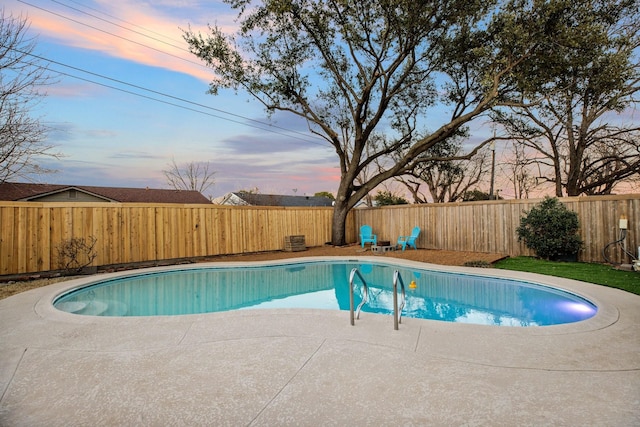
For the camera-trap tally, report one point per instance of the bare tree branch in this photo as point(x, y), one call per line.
point(22, 78)
point(195, 176)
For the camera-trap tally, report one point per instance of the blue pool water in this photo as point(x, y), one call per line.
point(444, 296)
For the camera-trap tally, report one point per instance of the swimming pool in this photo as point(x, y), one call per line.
point(435, 295)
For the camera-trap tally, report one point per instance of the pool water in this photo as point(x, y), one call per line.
point(451, 297)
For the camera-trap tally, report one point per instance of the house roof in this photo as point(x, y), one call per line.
point(11, 191)
point(281, 200)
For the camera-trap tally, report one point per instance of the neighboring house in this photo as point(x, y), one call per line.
point(25, 192)
point(250, 199)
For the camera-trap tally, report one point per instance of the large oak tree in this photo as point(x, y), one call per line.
point(367, 75)
point(568, 115)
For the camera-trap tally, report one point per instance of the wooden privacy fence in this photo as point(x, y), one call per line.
point(490, 226)
point(31, 232)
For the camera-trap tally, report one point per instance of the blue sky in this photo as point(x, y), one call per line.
point(112, 138)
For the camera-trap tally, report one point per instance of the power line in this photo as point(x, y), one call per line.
point(151, 90)
point(185, 107)
point(263, 126)
point(123, 27)
point(156, 99)
point(111, 34)
point(120, 19)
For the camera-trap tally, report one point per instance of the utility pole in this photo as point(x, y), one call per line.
point(493, 166)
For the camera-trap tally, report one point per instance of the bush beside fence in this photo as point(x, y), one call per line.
point(490, 226)
point(30, 232)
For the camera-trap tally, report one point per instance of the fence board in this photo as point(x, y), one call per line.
point(490, 226)
point(7, 240)
point(31, 232)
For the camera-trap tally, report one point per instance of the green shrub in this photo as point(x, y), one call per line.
point(551, 230)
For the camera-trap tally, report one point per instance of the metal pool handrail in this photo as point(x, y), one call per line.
point(397, 311)
point(365, 295)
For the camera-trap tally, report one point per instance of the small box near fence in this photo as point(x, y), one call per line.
point(383, 246)
point(294, 244)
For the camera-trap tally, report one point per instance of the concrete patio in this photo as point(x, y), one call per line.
point(311, 367)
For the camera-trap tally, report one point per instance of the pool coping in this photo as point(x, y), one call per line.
point(310, 366)
point(606, 315)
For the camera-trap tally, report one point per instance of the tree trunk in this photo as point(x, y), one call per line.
point(558, 176)
point(342, 206)
point(338, 224)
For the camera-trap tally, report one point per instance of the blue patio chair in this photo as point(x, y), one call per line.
point(367, 236)
point(409, 240)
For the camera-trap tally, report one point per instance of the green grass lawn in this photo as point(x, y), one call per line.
point(600, 274)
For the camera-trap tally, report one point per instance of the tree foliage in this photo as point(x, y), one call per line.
point(386, 198)
point(326, 194)
point(475, 195)
point(568, 114)
point(22, 78)
point(367, 75)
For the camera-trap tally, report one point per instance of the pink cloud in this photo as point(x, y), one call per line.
point(328, 174)
point(74, 90)
point(155, 39)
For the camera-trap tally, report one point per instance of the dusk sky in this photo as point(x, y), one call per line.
point(130, 98)
point(110, 137)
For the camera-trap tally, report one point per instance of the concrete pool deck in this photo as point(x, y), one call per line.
point(311, 367)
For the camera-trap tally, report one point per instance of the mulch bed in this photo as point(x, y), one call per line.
point(432, 256)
